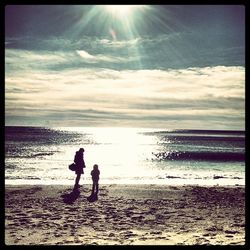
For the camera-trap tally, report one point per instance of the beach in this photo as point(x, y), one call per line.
point(125, 215)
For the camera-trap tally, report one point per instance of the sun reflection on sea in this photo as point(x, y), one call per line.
point(125, 148)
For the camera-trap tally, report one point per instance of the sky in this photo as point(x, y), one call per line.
point(150, 66)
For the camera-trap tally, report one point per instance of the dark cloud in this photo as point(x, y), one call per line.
point(234, 103)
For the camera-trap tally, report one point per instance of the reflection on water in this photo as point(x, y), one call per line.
point(125, 155)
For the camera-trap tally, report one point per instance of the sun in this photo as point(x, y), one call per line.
point(122, 10)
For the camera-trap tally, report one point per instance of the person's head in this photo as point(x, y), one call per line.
point(81, 150)
point(95, 167)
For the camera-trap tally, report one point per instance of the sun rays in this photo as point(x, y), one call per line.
point(122, 11)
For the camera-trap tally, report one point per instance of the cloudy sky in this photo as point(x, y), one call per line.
point(159, 66)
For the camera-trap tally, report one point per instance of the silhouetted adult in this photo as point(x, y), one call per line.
point(80, 164)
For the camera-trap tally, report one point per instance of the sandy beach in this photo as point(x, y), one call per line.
point(125, 215)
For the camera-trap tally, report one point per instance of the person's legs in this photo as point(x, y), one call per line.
point(78, 176)
point(93, 188)
point(97, 187)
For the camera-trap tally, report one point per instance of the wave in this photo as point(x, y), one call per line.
point(37, 155)
point(215, 177)
point(197, 131)
point(22, 178)
point(201, 156)
point(41, 154)
point(204, 138)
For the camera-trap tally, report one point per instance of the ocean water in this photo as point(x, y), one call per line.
point(39, 155)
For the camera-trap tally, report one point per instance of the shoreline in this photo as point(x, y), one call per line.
point(171, 182)
point(125, 215)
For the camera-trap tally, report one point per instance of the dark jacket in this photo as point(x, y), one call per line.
point(95, 174)
point(79, 161)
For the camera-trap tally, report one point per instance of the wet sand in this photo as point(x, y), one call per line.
point(125, 215)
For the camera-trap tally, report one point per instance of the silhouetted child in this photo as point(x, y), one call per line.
point(95, 178)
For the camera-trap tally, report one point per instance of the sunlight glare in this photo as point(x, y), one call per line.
point(122, 10)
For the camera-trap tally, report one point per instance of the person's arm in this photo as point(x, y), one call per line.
point(75, 158)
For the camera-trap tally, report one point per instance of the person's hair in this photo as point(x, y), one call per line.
point(95, 166)
point(82, 149)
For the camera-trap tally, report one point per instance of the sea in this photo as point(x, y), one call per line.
point(41, 155)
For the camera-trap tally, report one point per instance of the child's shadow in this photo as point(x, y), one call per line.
point(92, 197)
point(71, 197)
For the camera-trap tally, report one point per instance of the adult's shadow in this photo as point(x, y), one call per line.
point(71, 197)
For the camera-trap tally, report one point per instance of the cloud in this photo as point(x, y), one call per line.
point(63, 60)
point(208, 95)
point(163, 67)
point(99, 57)
point(85, 55)
point(119, 43)
point(176, 50)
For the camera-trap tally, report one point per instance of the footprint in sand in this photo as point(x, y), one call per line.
point(231, 232)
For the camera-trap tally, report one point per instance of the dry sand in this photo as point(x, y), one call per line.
point(125, 215)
